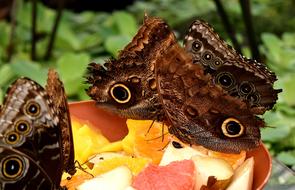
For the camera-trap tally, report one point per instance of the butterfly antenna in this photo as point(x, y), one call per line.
point(157, 137)
point(80, 167)
point(150, 127)
point(164, 146)
point(273, 127)
point(146, 16)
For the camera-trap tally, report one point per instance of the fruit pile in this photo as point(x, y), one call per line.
point(149, 158)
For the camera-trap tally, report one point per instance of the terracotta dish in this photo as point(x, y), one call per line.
point(114, 128)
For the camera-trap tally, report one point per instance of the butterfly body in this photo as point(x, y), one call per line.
point(35, 127)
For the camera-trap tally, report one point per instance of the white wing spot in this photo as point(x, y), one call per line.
point(51, 146)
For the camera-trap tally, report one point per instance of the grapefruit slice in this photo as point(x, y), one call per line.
point(178, 175)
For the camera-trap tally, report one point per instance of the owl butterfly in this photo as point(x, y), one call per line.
point(36, 143)
point(243, 78)
point(171, 88)
point(127, 85)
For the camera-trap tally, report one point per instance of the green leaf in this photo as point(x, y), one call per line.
point(67, 39)
point(82, 94)
point(45, 17)
point(6, 74)
point(289, 39)
point(271, 118)
point(90, 41)
point(285, 109)
point(71, 68)
point(280, 56)
point(126, 23)
point(73, 86)
point(288, 93)
point(1, 96)
point(4, 34)
point(105, 32)
point(275, 134)
point(289, 141)
point(25, 68)
point(287, 157)
point(114, 44)
point(280, 126)
point(24, 15)
point(277, 118)
point(273, 45)
point(4, 38)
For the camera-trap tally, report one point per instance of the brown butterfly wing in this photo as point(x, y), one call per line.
point(29, 123)
point(243, 78)
point(36, 122)
point(56, 91)
point(26, 172)
point(197, 108)
point(127, 85)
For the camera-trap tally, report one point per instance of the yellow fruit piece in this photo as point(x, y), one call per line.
point(111, 147)
point(134, 164)
point(129, 140)
point(146, 141)
point(86, 140)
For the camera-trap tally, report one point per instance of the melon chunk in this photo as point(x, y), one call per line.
point(117, 179)
point(212, 167)
point(243, 176)
point(176, 151)
point(130, 188)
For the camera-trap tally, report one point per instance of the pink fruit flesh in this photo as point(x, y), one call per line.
point(178, 175)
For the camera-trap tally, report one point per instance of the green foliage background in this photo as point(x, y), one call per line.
point(88, 36)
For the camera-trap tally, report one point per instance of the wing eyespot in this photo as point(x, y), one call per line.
point(12, 138)
point(22, 127)
point(120, 93)
point(196, 46)
point(12, 167)
point(225, 79)
point(232, 128)
point(32, 108)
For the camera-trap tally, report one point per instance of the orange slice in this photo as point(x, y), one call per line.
point(144, 140)
point(75, 181)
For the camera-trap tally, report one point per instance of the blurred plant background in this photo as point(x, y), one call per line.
point(89, 36)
